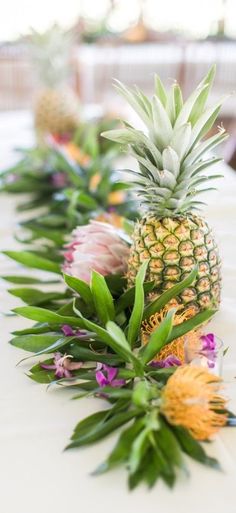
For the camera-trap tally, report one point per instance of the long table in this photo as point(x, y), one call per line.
point(35, 474)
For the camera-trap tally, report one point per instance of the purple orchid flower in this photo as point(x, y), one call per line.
point(106, 376)
point(59, 180)
point(12, 178)
point(170, 361)
point(69, 332)
point(209, 349)
point(62, 366)
point(209, 342)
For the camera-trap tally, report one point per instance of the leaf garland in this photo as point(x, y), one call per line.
point(99, 324)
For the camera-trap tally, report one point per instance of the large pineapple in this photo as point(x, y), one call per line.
point(56, 107)
point(172, 158)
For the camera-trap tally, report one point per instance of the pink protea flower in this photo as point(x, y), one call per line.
point(96, 246)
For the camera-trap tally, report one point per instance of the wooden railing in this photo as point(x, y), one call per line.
point(96, 66)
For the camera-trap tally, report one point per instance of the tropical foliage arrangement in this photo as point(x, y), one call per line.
point(68, 181)
point(112, 318)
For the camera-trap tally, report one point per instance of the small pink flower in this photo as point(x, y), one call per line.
point(106, 376)
point(170, 361)
point(62, 366)
point(12, 178)
point(59, 180)
point(96, 246)
point(208, 349)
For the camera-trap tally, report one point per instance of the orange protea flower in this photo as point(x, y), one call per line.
point(191, 399)
point(77, 154)
point(111, 218)
point(175, 348)
point(116, 197)
point(94, 182)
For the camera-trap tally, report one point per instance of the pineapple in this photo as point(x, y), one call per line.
point(56, 108)
point(172, 157)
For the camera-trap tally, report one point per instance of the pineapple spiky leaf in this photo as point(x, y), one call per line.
point(50, 52)
point(171, 153)
point(160, 90)
point(208, 81)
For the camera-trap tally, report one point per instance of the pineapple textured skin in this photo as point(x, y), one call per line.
point(56, 112)
point(175, 246)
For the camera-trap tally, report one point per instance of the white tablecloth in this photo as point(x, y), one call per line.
point(36, 475)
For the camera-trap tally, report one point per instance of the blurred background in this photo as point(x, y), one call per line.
point(125, 39)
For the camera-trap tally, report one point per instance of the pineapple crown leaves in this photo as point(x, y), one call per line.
point(50, 52)
point(171, 154)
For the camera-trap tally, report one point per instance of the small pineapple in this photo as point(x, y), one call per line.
point(172, 157)
point(56, 108)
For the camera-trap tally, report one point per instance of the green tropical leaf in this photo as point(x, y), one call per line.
point(190, 324)
point(85, 425)
point(141, 394)
point(81, 287)
point(158, 339)
point(137, 312)
point(36, 297)
point(105, 337)
point(43, 315)
point(34, 330)
point(27, 280)
point(118, 335)
point(102, 298)
point(121, 451)
point(87, 355)
point(193, 448)
point(163, 467)
point(138, 450)
point(101, 429)
point(43, 377)
point(171, 293)
point(33, 260)
point(52, 220)
point(70, 168)
point(45, 233)
point(116, 284)
point(40, 375)
point(35, 343)
point(169, 444)
point(127, 298)
point(141, 474)
point(58, 344)
point(86, 201)
point(119, 338)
